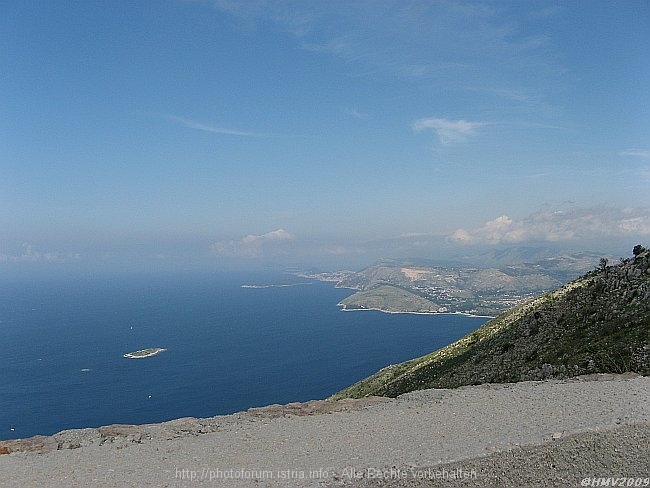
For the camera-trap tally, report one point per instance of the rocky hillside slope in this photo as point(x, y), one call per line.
point(599, 323)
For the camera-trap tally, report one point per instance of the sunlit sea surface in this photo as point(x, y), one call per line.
point(229, 348)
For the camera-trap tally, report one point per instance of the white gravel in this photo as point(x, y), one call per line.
point(426, 429)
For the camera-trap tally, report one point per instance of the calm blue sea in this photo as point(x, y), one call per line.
point(228, 348)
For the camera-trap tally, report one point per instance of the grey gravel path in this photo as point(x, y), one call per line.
point(491, 429)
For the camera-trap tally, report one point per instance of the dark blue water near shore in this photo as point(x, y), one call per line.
point(228, 348)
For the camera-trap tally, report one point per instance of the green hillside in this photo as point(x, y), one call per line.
point(389, 299)
point(598, 323)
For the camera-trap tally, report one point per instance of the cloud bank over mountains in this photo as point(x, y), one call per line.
point(564, 228)
point(560, 225)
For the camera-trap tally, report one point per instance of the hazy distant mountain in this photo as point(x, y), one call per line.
point(596, 324)
point(578, 261)
point(485, 284)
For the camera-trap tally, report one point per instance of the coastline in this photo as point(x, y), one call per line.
point(280, 285)
point(466, 314)
point(344, 309)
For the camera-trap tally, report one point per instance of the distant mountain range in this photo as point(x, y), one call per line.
point(484, 284)
point(599, 323)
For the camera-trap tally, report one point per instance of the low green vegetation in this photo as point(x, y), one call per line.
point(389, 299)
point(599, 323)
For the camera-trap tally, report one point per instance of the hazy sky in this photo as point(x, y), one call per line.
point(210, 130)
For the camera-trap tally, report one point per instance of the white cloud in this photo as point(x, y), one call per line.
point(448, 131)
point(559, 225)
point(416, 40)
point(462, 236)
point(635, 225)
point(275, 235)
point(29, 253)
point(288, 16)
point(409, 235)
point(191, 124)
point(280, 243)
point(353, 112)
point(252, 245)
point(637, 153)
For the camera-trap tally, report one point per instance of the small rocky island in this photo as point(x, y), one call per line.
point(145, 353)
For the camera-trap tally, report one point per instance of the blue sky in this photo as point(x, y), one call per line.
point(209, 131)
